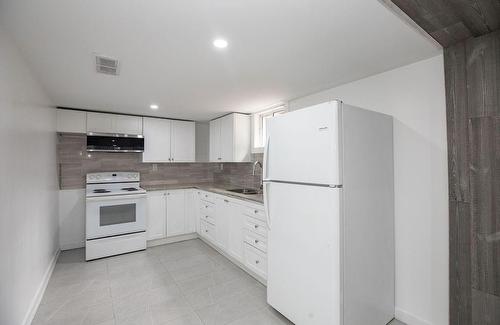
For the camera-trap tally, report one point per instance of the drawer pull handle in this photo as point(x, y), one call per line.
point(256, 241)
point(256, 211)
point(226, 201)
point(206, 230)
point(256, 226)
point(257, 262)
point(206, 217)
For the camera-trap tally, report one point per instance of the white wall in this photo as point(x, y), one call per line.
point(28, 188)
point(415, 96)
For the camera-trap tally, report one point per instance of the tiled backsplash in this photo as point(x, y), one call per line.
point(74, 163)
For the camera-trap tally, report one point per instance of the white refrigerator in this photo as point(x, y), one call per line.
point(329, 200)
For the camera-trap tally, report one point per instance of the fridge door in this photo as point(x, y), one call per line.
point(303, 281)
point(303, 146)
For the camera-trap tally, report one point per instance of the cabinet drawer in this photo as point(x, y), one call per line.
point(207, 218)
point(208, 197)
point(255, 260)
point(207, 230)
point(256, 213)
point(256, 226)
point(256, 241)
point(207, 208)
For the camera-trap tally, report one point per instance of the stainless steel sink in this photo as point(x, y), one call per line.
point(247, 191)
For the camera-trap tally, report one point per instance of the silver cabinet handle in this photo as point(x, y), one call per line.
point(256, 241)
point(257, 262)
point(256, 226)
point(226, 201)
point(256, 211)
point(206, 230)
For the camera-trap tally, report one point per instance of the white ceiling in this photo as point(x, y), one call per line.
point(278, 50)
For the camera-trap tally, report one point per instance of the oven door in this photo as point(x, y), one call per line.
point(115, 215)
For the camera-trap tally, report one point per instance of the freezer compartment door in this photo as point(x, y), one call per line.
point(303, 146)
point(304, 252)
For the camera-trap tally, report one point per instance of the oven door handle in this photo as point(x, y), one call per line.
point(116, 197)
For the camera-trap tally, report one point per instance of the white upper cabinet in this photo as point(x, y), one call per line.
point(114, 123)
point(230, 138)
point(183, 141)
point(71, 121)
point(157, 138)
point(168, 140)
point(127, 124)
point(215, 141)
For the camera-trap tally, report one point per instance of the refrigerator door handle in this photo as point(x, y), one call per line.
point(266, 206)
point(265, 159)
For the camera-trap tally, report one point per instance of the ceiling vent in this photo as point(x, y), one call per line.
point(106, 65)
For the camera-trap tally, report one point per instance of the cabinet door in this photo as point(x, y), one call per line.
point(156, 215)
point(127, 124)
point(191, 198)
point(157, 133)
point(236, 231)
point(183, 141)
point(223, 213)
point(176, 213)
point(71, 121)
point(215, 141)
point(226, 138)
point(100, 122)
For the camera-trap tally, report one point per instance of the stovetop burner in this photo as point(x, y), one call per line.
point(101, 190)
point(130, 189)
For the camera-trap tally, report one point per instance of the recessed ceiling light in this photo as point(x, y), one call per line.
point(154, 106)
point(220, 43)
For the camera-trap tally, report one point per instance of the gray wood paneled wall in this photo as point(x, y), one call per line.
point(472, 70)
point(452, 21)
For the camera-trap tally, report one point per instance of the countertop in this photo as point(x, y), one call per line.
point(209, 187)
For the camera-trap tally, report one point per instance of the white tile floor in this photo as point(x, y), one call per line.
point(177, 284)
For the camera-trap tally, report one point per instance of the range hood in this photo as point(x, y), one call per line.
point(107, 142)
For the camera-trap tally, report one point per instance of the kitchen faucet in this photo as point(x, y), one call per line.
point(255, 165)
point(253, 172)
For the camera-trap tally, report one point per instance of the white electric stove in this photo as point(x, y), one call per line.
point(115, 214)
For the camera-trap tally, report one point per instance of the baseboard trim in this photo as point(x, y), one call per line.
point(37, 299)
point(409, 319)
point(68, 246)
point(170, 240)
point(234, 261)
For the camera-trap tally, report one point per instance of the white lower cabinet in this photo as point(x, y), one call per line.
point(170, 213)
point(236, 227)
point(191, 203)
point(176, 213)
point(256, 260)
point(236, 232)
point(222, 218)
point(156, 215)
